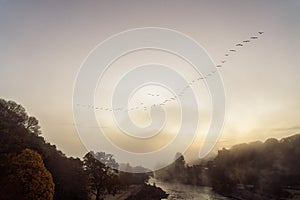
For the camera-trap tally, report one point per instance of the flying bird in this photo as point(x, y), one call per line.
point(239, 45)
point(245, 41)
point(219, 66)
point(260, 32)
point(232, 50)
point(253, 37)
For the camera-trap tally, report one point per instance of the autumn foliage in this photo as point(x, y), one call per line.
point(29, 176)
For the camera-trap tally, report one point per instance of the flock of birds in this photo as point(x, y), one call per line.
point(238, 45)
point(182, 91)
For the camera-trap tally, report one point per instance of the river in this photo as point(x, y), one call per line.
point(178, 191)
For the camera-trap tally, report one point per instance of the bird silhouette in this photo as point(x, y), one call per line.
point(232, 50)
point(246, 41)
point(260, 32)
point(239, 45)
point(253, 37)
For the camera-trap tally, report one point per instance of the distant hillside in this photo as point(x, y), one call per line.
point(256, 170)
point(270, 168)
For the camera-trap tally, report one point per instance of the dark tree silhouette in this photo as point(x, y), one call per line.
point(13, 113)
point(102, 172)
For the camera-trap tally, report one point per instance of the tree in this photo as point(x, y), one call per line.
point(179, 162)
point(15, 114)
point(28, 178)
point(102, 171)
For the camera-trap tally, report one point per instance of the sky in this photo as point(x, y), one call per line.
point(43, 44)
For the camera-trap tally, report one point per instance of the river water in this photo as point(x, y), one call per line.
point(187, 192)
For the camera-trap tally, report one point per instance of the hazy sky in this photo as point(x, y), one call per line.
point(42, 45)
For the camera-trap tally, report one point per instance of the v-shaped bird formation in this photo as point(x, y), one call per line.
point(182, 90)
point(239, 45)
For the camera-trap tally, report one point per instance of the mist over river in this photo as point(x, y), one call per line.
point(179, 191)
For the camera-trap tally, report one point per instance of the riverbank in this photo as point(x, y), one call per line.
point(244, 194)
point(138, 192)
